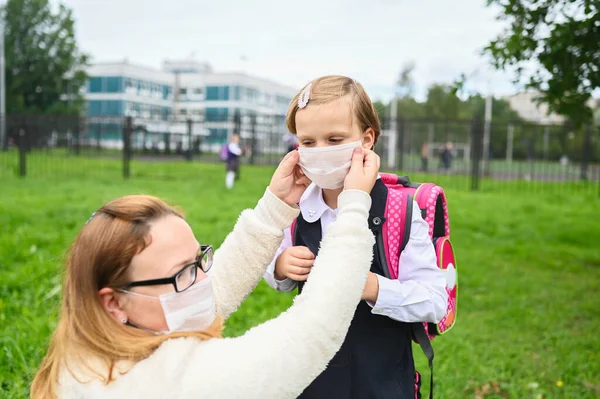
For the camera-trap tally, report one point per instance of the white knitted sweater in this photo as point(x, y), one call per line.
point(276, 359)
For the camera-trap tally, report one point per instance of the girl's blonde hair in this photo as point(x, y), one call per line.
point(330, 88)
point(100, 257)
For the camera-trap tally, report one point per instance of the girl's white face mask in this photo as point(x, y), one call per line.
point(190, 310)
point(327, 167)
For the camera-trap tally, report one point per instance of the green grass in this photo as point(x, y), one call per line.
point(58, 164)
point(529, 273)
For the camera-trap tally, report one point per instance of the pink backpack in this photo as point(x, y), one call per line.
point(396, 231)
point(434, 209)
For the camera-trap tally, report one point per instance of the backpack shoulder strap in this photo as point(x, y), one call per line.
point(398, 216)
point(421, 336)
point(408, 215)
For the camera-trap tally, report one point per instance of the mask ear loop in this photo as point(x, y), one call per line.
point(129, 323)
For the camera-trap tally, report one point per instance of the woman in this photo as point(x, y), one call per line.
point(141, 318)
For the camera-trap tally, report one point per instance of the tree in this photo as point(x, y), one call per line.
point(45, 71)
point(381, 109)
point(409, 108)
point(502, 116)
point(502, 113)
point(562, 37)
point(442, 102)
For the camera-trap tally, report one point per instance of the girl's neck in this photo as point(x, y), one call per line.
point(331, 197)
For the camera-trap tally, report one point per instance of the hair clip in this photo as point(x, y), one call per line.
point(304, 96)
point(91, 217)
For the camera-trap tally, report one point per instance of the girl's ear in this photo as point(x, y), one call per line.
point(368, 139)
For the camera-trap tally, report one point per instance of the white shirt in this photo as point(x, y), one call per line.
point(235, 149)
point(419, 294)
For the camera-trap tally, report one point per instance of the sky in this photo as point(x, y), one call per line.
point(293, 42)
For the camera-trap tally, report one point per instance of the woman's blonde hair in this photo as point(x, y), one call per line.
point(330, 88)
point(100, 257)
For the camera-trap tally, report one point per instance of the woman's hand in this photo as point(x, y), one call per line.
point(288, 182)
point(363, 170)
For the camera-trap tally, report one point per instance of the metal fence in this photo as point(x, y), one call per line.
point(456, 154)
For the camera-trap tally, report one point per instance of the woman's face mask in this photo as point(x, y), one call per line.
point(190, 310)
point(327, 167)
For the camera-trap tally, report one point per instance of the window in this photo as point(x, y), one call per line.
point(130, 86)
point(196, 93)
point(216, 114)
point(212, 93)
point(95, 85)
point(145, 111)
point(217, 93)
point(113, 84)
point(252, 95)
point(237, 93)
point(94, 108)
point(106, 108)
point(144, 88)
point(156, 113)
point(166, 113)
point(166, 90)
point(129, 109)
point(112, 108)
point(105, 131)
point(217, 136)
point(195, 114)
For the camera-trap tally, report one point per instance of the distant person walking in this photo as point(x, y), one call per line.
point(446, 156)
point(234, 152)
point(424, 156)
point(291, 141)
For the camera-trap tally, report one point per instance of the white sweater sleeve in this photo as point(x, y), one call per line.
point(280, 358)
point(241, 261)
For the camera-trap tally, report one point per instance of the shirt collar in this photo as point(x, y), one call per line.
point(312, 205)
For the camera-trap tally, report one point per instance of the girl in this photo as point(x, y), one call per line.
point(331, 117)
point(234, 152)
point(141, 318)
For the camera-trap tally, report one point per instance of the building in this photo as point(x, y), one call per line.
point(528, 108)
point(163, 101)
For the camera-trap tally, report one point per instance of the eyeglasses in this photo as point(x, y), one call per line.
point(186, 277)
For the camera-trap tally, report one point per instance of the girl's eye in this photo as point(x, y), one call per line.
point(335, 140)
